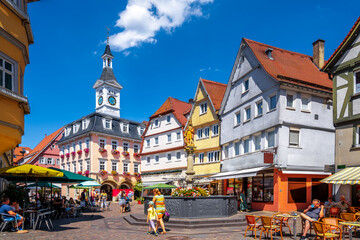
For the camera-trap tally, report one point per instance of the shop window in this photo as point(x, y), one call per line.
point(296, 190)
point(263, 188)
point(319, 190)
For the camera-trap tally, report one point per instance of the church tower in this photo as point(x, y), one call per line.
point(107, 88)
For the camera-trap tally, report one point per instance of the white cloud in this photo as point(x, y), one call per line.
point(142, 19)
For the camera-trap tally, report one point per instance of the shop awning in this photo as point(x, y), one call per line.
point(305, 172)
point(251, 172)
point(146, 184)
point(349, 175)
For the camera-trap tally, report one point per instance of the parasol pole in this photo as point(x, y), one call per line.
point(51, 197)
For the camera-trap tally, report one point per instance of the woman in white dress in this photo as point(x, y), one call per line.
point(122, 201)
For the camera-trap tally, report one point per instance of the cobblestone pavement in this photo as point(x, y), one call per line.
point(111, 225)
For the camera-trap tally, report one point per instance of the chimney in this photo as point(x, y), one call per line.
point(191, 101)
point(318, 53)
point(268, 53)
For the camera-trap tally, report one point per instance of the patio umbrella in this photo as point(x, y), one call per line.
point(160, 186)
point(88, 184)
point(29, 171)
point(43, 184)
point(69, 177)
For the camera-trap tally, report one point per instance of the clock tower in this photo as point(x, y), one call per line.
point(107, 88)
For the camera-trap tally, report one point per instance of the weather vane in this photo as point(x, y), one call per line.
point(107, 34)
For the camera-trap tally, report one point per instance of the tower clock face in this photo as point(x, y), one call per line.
point(112, 100)
point(100, 100)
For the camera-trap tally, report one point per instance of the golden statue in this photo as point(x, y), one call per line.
point(189, 135)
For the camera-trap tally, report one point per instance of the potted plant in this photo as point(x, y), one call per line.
point(79, 152)
point(140, 200)
point(62, 155)
point(115, 152)
point(125, 153)
point(115, 173)
point(87, 173)
point(138, 175)
point(126, 174)
point(136, 154)
point(67, 155)
point(79, 172)
point(73, 154)
point(103, 172)
point(86, 150)
point(102, 150)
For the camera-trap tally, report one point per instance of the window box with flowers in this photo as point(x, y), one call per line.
point(126, 174)
point(73, 154)
point(62, 155)
point(87, 173)
point(125, 153)
point(102, 150)
point(103, 172)
point(137, 175)
point(67, 155)
point(79, 172)
point(114, 173)
point(79, 152)
point(86, 150)
point(115, 152)
point(136, 154)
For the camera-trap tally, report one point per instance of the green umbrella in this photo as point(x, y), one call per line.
point(69, 177)
point(42, 184)
point(86, 184)
point(160, 186)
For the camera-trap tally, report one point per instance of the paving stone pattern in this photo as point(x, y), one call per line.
point(111, 225)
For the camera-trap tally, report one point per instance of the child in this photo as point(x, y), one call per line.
point(151, 217)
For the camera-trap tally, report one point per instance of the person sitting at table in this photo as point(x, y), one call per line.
point(5, 208)
point(343, 204)
point(15, 205)
point(38, 203)
point(328, 204)
point(311, 214)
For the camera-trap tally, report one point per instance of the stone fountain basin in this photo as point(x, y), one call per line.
point(198, 207)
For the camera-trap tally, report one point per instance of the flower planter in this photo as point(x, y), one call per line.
point(115, 152)
point(86, 150)
point(125, 154)
point(136, 155)
point(102, 150)
point(62, 155)
point(73, 154)
point(79, 152)
point(67, 155)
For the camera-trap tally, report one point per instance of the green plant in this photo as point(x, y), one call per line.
point(192, 192)
point(138, 186)
point(18, 193)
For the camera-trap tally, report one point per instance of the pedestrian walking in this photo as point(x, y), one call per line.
point(103, 197)
point(159, 201)
point(122, 201)
point(243, 201)
point(151, 218)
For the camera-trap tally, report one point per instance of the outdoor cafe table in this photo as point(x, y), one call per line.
point(32, 214)
point(294, 217)
point(350, 225)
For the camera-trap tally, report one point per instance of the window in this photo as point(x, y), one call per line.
point(226, 151)
point(148, 159)
point(357, 82)
point(215, 130)
point(206, 132)
point(156, 122)
point(237, 148)
point(80, 145)
point(168, 118)
point(87, 143)
point(216, 156)
point(156, 140)
point(201, 157)
point(169, 137)
point(178, 155)
point(114, 145)
point(68, 167)
point(178, 136)
point(63, 166)
point(74, 147)
point(290, 100)
point(237, 118)
point(296, 190)
point(259, 108)
point(49, 161)
point(68, 148)
point(80, 166)
point(169, 156)
point(136, 148)
point(102, 143)
point(210, 156)
point(125, 147)
point(271, 139)
point(248, 114)
point(156, 159)
point(74, 167)
point(305, 102)
point(88, 166)
point(203, 108)
point(199, 133)
point(107, 123)
point(85, 123)
point(357, 136)
point(319, 190)
point(76, 127)
point(58, 161)
point(148, 142)
point(142, 130)
point(62, 150)
point(246, 85)
point(102, 165)
point(272, 102)
point(42, 160)
point(136, 168)
point(125, 127)
point(7, 74)
point(294, 138)
point(263, 188)
point(257, 142)
point(126, 167)
point(246, 145)
point(114, 166)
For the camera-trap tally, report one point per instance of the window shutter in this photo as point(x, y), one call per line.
point(294, 137)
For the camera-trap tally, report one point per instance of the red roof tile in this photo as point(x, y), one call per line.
point(41, 146)
point(357, 23)
point(216, 92)
point(291, 67)
point(177, 107)
point(20, 152)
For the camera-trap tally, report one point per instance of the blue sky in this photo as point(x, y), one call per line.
point(156, 57)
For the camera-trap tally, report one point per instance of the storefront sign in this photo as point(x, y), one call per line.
point(268, 157)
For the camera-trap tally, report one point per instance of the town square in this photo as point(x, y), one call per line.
point(179, 119)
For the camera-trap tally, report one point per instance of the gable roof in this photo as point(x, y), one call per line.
point(216, 92)
point(43, 144)
point(343, 45)
point(291, 67)
point(177, 107)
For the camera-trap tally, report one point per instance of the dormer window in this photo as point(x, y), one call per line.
point(156, 122)
point(76, 127)
point(142, 129)
point(203, 108)
point(125, 127)
point(85, 123)
point(67, 131)
point(107, 123)
point(168, 119)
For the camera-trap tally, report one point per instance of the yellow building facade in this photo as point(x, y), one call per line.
point(15, 38)
point(206, 124)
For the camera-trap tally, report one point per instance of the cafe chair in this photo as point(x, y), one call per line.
point(322, 231)
point(5, 221)
point(285, 220)
point(349, 217)
point(252, 224)
point(354, 209)
point(44, 217)
point(333, 223)
point(334, 212)
point(271, 225)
